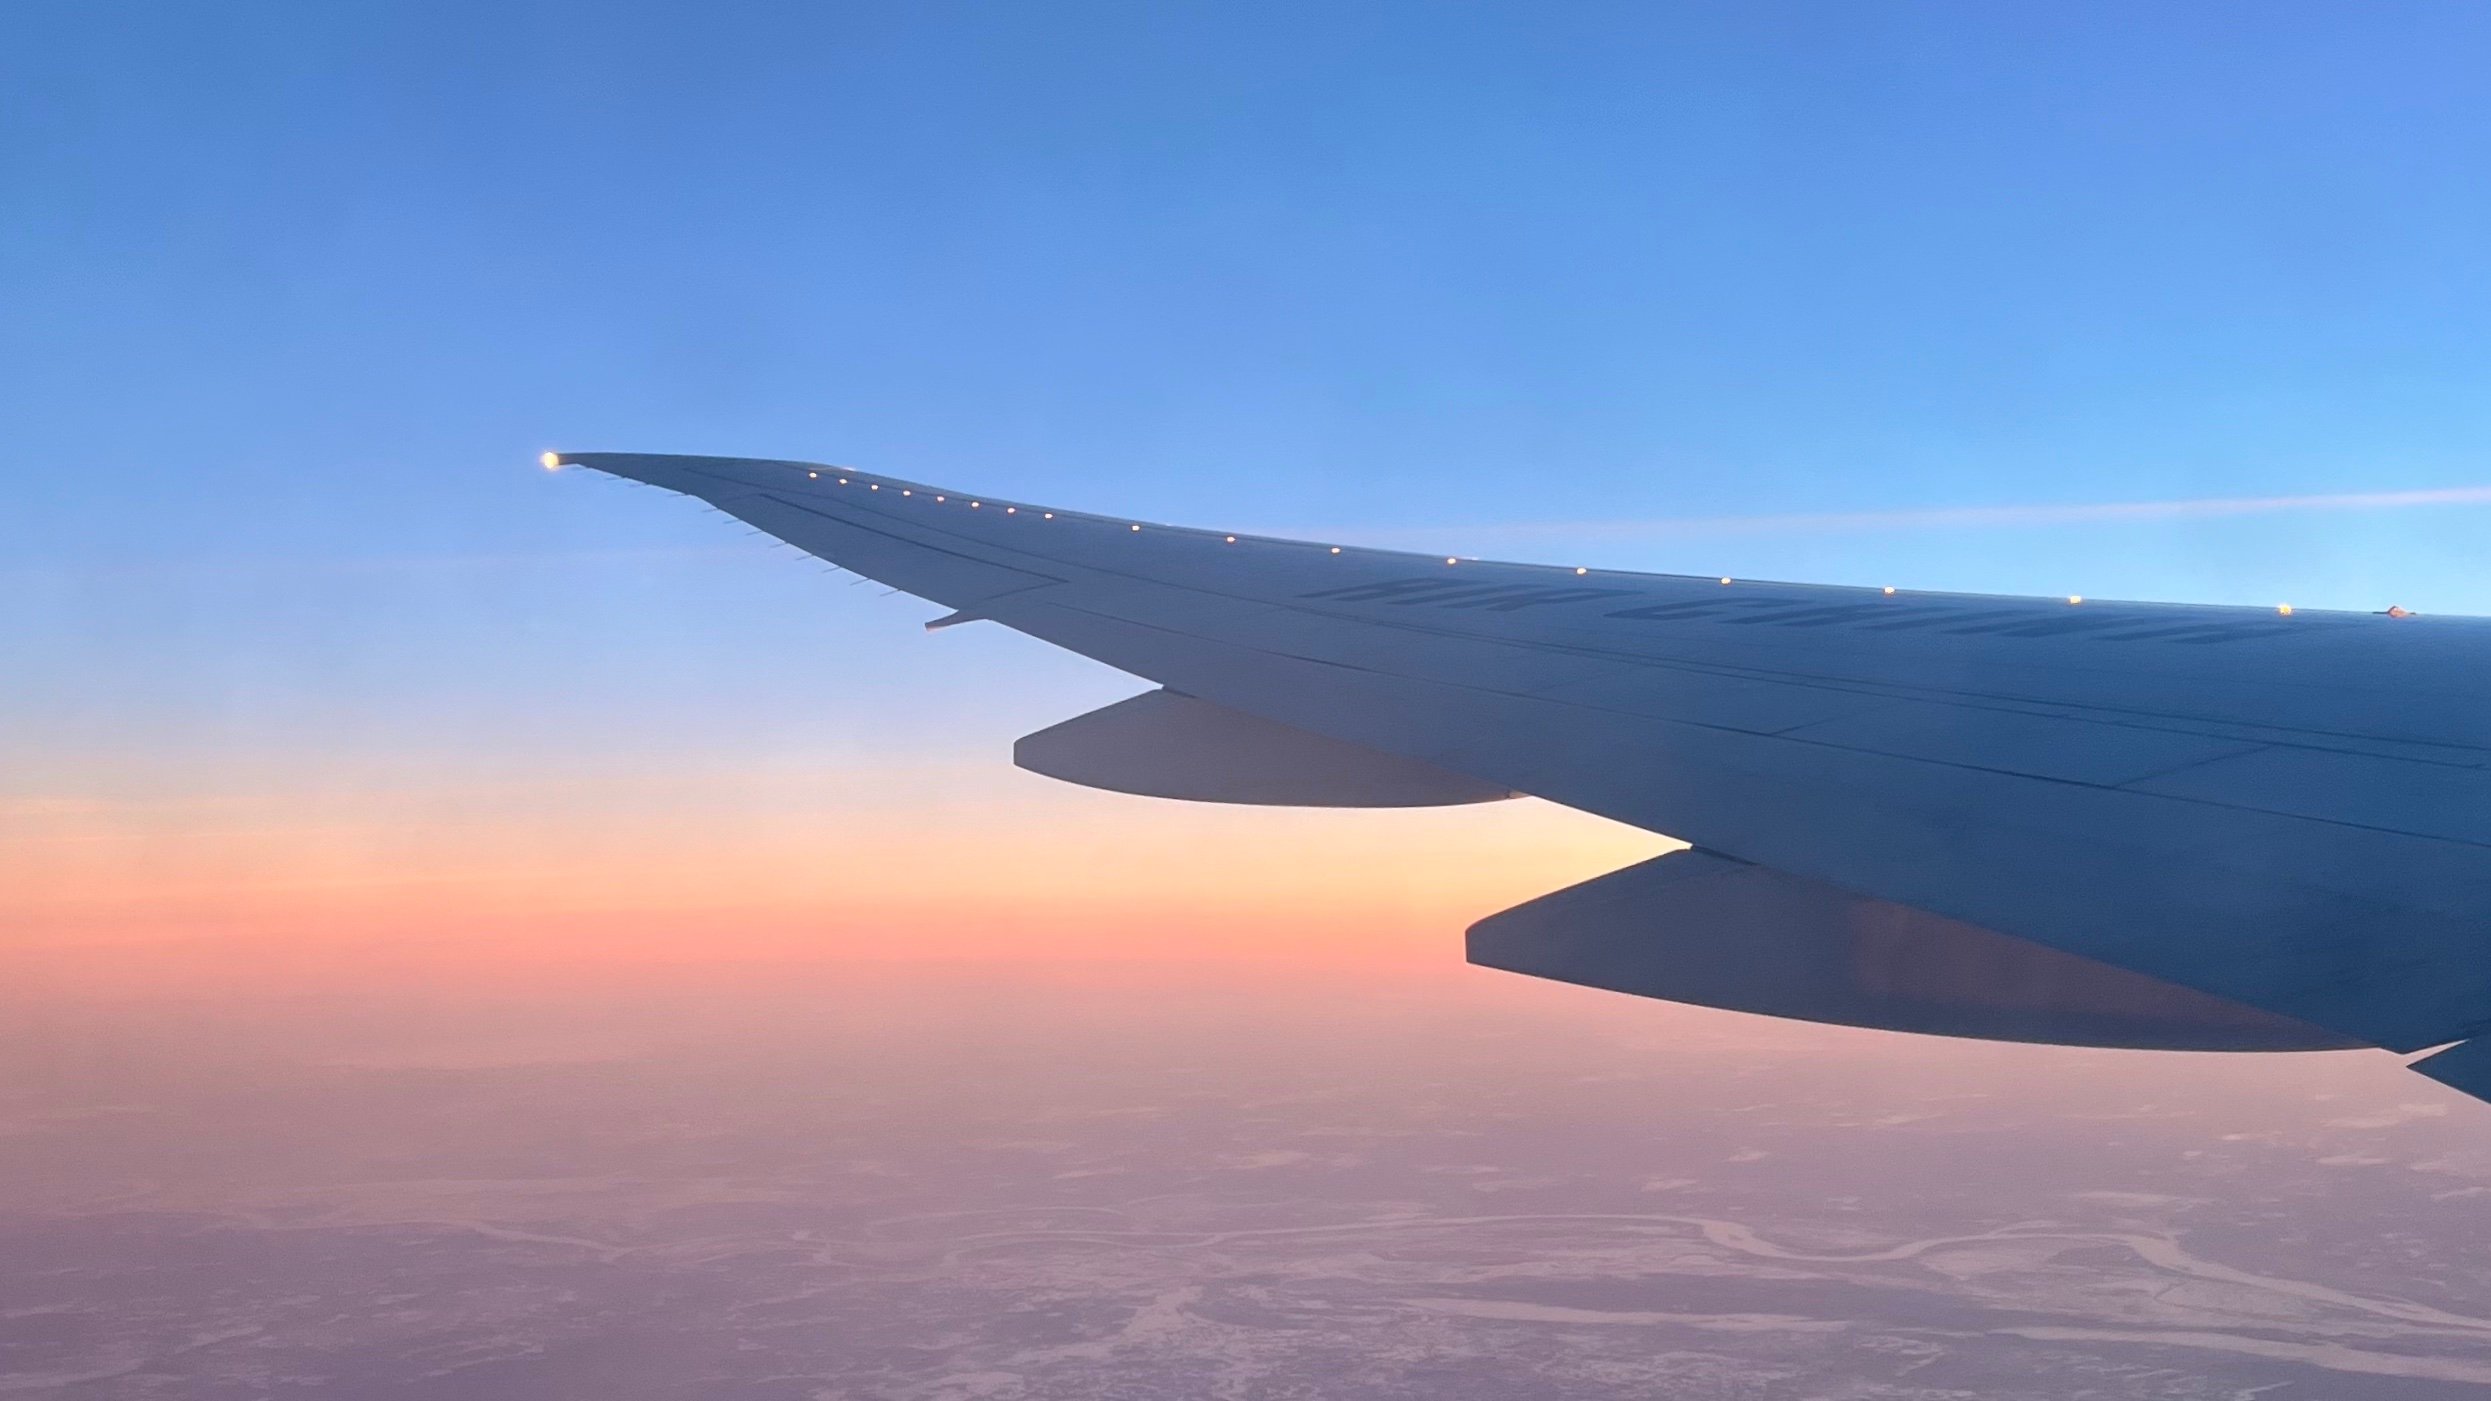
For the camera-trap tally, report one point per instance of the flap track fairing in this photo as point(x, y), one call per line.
point(1695, 926)
point(1164, 744)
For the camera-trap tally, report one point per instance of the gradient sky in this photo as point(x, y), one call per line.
point(302, 648)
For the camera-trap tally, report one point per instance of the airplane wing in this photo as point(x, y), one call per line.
point(2043, 819)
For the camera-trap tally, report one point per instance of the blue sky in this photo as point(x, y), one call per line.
point(297, 292)
point(337, 739)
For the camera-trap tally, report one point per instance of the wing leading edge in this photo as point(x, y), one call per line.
point(2287, 812)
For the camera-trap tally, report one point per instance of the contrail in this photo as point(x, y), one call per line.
point(1965, 517)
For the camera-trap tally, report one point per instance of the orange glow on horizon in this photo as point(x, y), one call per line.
point(601, 876)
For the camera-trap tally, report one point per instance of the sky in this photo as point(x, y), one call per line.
point(304, 654)
point(623, 948)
